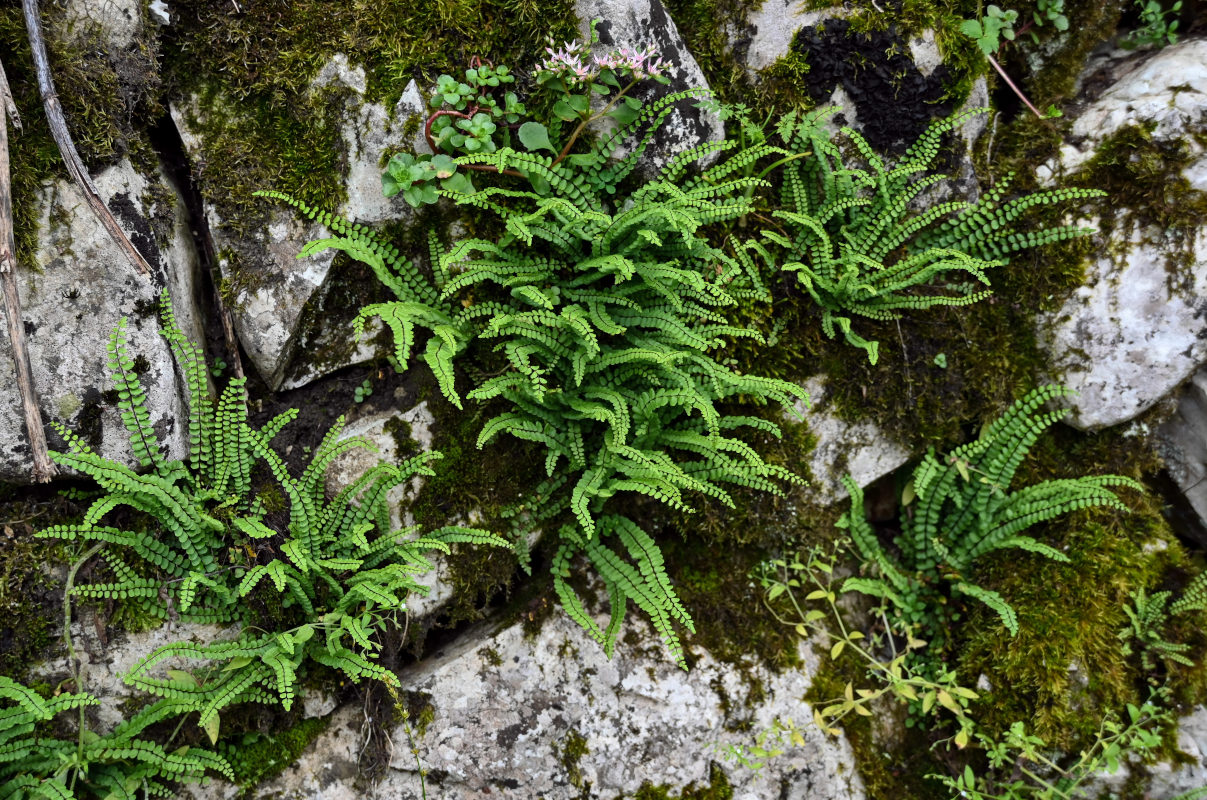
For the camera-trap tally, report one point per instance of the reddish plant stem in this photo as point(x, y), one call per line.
point(427, 134)
point(444, 112)
point(1016, 90)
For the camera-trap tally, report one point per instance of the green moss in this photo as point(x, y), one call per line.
point(1065, 669)
point(105, 97)
point(263, 125)
point(570, 753)
point(259, 757)
point(731, 623)
point(706, 27)
point(472, 486)
point(718, 788)
point(420, 710)
point(1144, 179)
point(31, 592)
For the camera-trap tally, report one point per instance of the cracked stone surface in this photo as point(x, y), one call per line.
point(507, 704)
point(86, 286)
point(1183, 444)
point(276, 287)
point(637, 24)
point(859, 449)
point(1138, 327)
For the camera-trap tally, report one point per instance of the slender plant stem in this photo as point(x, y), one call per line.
point(72, 663)
point(588, 119)
point(1015, 89)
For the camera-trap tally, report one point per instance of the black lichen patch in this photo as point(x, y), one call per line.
point(141, 235)
point(894, 101)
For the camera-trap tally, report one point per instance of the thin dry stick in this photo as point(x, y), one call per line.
point(44, 468)
point(58, 129)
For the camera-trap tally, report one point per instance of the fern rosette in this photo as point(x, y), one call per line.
point(960, 508)
point(859, 247)
point(214, 552)
point(608, 311)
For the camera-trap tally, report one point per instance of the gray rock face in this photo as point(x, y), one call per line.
point(1138, 328)
point(638, 24)
point(508, 706)
point(72, 306)
point(1169, 781)
point(105, 656)
point(1183, 442)
point(771, 29)
point(280, 339)
point(858, 449)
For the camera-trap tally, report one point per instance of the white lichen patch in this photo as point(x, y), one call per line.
point(859, 449)
point(506, 703)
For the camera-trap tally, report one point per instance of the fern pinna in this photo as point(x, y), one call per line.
point(332, 562)
point(859, 246)
point(609, 311)
point(960, 508)
point(116, 765)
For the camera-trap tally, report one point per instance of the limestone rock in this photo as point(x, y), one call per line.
point(276, 289)
point(858, 449)
point(1138, 327)
point(772, 27)
point(105, 655)
point(118, 22)
point(1168, 780)
point(1183, 443)
point(638, 24)
point(73, 305)
point(553, 717)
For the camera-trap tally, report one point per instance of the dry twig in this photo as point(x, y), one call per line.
point(58, 130)
point(44, 468)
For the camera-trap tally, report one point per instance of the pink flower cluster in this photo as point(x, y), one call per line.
point(574, 63)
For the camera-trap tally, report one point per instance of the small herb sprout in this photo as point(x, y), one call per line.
point(218, 368)
point(363, 392)
point(1156, 30)
point(941, 361)
point(473, 116)
point(989, 30)
point(1050, 11)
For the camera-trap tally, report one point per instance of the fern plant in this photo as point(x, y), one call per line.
point(1148, 617)
point(859, 247)
point(608, 309)
point(961, 508)
point(117, 765)
point(213, 546)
